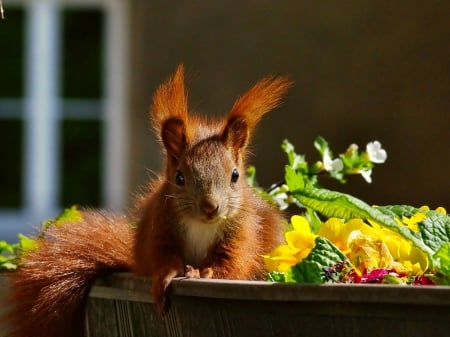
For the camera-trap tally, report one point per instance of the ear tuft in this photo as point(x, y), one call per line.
point(236, 133)
point(264, 96)
point(170, 101)
point(173, 135)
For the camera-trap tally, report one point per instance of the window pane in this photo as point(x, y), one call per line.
point(82, 163)
point(12, 53)
point(11, 163)
point(82, 53)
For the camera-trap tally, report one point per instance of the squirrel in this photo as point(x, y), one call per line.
point(198, 219)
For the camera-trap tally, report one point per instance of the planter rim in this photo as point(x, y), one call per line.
point(127, 286)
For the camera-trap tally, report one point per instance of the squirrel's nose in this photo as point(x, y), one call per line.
point(209, 207)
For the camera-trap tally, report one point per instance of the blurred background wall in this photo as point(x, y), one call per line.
point(363, 71)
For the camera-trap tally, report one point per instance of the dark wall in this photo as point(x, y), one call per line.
point(363, 70)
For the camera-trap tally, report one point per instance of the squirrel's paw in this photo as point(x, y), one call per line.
point(159, 291)
point(191, 272)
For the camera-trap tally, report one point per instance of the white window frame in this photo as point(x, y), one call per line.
point(41, 155)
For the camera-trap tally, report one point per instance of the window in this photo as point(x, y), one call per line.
point(11, 110)
point(80, 121)
point(62, 109)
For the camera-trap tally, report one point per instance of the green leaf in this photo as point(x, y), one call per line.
point(313, 219)
point(276, 276)
point(26, 243)
point(8, 266)
point(72, 214)
point(295, 160)
point(391, 279)
point(310, 270)
point(6, 247)
point(440, 280)
point(251, 176)
point(294, 179)
point(434, 230)
point(7, 256)
point(443, 256)
point(321, 145)
point(341, 205)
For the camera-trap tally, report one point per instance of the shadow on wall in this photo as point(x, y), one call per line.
point(363, 70)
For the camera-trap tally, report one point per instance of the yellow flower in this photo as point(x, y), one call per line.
point(280, 259)
point(301, 237)
point(300, 241)
point(338, 231)
point(441, 210)
point(333, 230)
point(374, 246)
point(367, 253)
point(412, 222)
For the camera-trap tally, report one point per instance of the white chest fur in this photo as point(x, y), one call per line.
point(199, 237)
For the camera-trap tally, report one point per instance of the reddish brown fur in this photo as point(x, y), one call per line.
point(208, 226)
point(161, 247)
point(260, 99)
point(169, 101)
point(50, 286)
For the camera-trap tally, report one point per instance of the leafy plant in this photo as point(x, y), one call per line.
point(10, 252)
point(379, 234)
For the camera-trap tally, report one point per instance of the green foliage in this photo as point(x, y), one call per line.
point(26, 244)
point(10, 253)
point(8, 256)
point(431, 233)
point(352, 161)
point(434, 230)
point(303, 187)
point(340, 205)
point(276, 276)
point(442, 257)
point(311, 269)
point(72, 214)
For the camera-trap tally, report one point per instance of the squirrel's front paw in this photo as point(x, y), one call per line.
point(191, 272)
point(160, 284)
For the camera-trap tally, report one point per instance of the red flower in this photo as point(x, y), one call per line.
point(423, 280)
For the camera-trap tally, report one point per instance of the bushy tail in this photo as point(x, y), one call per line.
point(49, 289)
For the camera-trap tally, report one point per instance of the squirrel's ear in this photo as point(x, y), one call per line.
point(170, 102)
point(173, 135)
point(258, 100)
point(235, 134)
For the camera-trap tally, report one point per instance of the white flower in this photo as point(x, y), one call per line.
point(280, 196)
point(331, 165)
point(376, 153)
point(280, 199)
point(366, 174)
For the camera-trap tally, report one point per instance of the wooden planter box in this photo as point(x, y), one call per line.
point(120, 305)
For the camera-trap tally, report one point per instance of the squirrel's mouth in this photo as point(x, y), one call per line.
point(213, 219)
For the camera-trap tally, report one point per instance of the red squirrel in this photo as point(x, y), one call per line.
point(199, 218)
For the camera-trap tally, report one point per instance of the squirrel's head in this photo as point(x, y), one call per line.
point(205, 160)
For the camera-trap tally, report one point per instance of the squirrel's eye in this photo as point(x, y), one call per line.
point(179, 178)
point(234, 175)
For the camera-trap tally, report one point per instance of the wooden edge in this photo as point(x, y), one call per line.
point(126, 286)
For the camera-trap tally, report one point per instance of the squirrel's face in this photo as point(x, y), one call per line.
point(207, 183)
point(204, 166)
